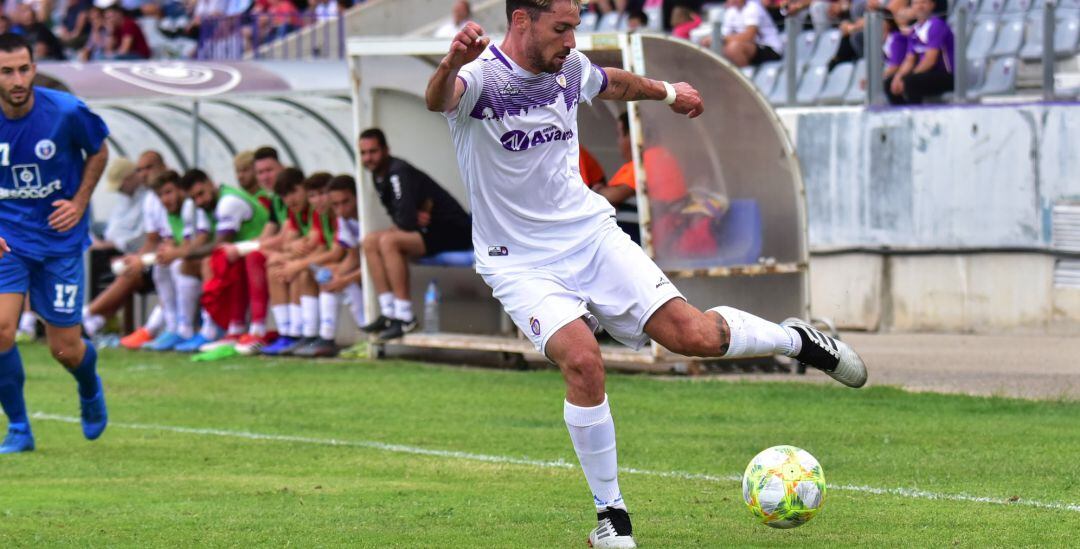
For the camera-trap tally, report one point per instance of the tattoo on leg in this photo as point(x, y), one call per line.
point(725, 334)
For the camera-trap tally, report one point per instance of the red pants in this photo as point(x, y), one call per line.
point(258, 289)
point(225, 295)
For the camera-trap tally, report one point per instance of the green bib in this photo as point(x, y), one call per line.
point(252, 228)
point(176, 223)
point(329, 229)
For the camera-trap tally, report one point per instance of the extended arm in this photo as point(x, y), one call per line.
point(444, 90)
point(627, 86)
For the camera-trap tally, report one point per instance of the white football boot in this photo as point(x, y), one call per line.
point(828, 354)
point(613, 530)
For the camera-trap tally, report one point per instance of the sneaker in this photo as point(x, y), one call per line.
point(378, 325)
point(227, 341)
point(296, 345)
point(359, 350)
point(94, 415)
point(832, 356)
point(279, 344)
point(135, 340)
point(397, 329)
point(251, 344)
point(22, 337)
point(18, 439)
point(191, 344)
point(613, 530)
point(318, 348)
point(220, 352)
point(167, 341)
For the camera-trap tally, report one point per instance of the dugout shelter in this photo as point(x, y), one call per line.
point(720, 200)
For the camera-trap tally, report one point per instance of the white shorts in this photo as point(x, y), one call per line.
point(611, 279)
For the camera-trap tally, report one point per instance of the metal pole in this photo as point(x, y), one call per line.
point(790, 62)
point(875, 70)
point(1049, 55)
point(195, 134)
point(717, 39)
point(960, 71)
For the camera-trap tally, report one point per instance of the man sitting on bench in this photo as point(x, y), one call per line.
point(427, 221)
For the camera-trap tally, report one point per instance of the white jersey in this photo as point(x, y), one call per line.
point(516, 137)
point(231, 212)
point(156, 218)
point(153, 212)
point(348, 232)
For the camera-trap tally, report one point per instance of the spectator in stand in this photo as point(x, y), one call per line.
point(895, 49)
point(46, 46)
point(427, 220)
point(684, 20)
point(325, 10)
point(99, 42)
point(636, 20)
point(129, 43)
point(284, 18)
point(74, 29)
point(669, 7)
point(927, 69)
point(750, 36)
point(5, 24)
point(460, 12)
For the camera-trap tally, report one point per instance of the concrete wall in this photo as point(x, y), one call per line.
point(945, 213)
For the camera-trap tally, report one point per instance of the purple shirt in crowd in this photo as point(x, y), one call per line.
point(934, 34)
point(896, 48)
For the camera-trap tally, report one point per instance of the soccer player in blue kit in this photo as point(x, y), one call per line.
point(52, 153)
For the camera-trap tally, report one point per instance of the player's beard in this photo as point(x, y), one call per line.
point(537, 59)
point(9, 97)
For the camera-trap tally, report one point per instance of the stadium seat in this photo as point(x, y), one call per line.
point(837, 84)
point(766, 77)
point(990, 9)
point(457, 258)
point(804, 50)
point(1016, 8)
point(588, 21)
point(609, 22)
point(1033, 36)
point(1010, 37)
point(972, 5)
point(827, 46)
point(656, 16)
point(1067, 34)
point(1000, 78)
point(778, 97)
point(976, 74)
point(982, 38)
point(857, 91)
point(748, 71)
point(811, 84)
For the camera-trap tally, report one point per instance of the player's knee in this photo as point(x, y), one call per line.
point(7, 334)
point(66, 351)
point(585, 364)
point(388, 244)
point(693, 337)
point(371, 241)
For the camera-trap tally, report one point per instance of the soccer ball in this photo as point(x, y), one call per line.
point(784, 486)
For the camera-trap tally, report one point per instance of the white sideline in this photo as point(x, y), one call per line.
point(912, 493)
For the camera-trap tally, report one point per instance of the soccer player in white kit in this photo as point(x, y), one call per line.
point(547, 245)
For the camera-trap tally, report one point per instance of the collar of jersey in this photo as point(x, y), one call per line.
point(505, 59)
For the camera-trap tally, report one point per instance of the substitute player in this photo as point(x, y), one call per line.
point(547, 245)
point(45, 186)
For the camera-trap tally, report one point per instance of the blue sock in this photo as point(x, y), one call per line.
point(86, 373)
point(12, 379)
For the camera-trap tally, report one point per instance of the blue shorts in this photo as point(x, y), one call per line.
point(55, 285)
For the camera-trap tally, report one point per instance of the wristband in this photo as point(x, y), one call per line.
point(670, 99)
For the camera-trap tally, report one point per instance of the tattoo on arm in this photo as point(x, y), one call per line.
point(725, 334)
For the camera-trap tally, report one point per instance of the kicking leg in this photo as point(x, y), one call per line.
point(592, 430)
point(79, 357)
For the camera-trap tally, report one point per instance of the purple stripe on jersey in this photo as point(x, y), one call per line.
point(603, 86)
point(463, 82)
point(499, 55)
point(507, 94)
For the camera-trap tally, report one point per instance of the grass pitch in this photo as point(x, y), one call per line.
point(396, 454)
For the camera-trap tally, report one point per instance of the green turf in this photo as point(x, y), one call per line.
point(148, 487)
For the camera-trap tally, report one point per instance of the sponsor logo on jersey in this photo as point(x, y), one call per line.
point(35, 192)
point(45, 149)
point(510, 89)
point(517, 140)
point(534, 325)
point(498, 251)
point(663, 282)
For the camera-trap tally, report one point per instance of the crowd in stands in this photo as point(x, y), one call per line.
point(99, 30)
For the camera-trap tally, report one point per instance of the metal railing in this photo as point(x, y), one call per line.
point(300, 36)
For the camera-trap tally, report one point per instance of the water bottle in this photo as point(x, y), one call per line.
point(431, 308)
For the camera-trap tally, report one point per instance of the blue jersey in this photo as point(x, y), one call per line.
point(42, 156)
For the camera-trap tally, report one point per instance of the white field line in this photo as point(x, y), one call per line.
point(912, 493)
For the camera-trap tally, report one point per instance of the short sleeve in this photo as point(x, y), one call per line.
point(88, 130)
point(593, 78)
point(752, 14)
point(472, 75)
point(935, 35)
point(152, 210)
point(348, 232)
point(231, 212)
point(202, 221)
point(727, 27)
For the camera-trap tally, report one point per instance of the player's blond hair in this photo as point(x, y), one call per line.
point(533, 7)
point(244, 159)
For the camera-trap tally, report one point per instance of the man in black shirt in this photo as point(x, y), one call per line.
point(427, 221)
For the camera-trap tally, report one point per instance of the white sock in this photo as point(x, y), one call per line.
point(257, 329)
point(355, 296)
point(236, 328)
point(593, 433)
point(188, 290)
point(296, 320)
point(28, 322)
point(155, 321)
point(755, 336)
point(209, 329)
point(386, 304)
point(328, 308)
point(402, 309)
point(166, 291)
point(309, 306)
point(281, 318)
point(91, 323)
